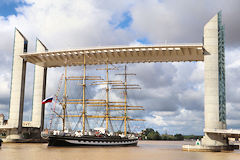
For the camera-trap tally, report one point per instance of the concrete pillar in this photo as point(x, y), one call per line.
point(17, 82)
point(214, 81)
point(39, 91)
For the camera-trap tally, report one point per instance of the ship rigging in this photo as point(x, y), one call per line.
point(97, 136)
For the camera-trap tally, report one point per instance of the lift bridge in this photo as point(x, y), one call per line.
point(211, 52)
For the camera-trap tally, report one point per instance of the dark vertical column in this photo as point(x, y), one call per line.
point(44, 96)
point(23, 78)
point(221, 71)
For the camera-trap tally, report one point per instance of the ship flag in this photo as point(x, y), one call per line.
point(47, 100)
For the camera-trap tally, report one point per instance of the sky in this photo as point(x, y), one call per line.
point(172, 93)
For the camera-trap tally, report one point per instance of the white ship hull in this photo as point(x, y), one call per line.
point(91, 141)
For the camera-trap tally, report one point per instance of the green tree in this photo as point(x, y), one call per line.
point(153, 136)
point(179, 137)
point(148, 130)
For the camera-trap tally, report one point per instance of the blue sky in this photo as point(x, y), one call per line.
point(9, 7)
point(126, 20)
point(125, 23)
point(144, 40)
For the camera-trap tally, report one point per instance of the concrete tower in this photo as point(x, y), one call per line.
point(17, 85)
point(39, 91)
point(214, 81)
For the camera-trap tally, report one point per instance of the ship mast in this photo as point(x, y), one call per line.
point(125, 87)
point(107, 97)
point(64, 106)
point(107, 82)
point(83, 98)
point(125, 101)
point(83, 101)
point(110, 106)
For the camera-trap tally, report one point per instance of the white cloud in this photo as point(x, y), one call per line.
point(185, 120)
point(158, 120)
point(197, 75)
point(5, 84)
point(233, 59)
point(172, 90)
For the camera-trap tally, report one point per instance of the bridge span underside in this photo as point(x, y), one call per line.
point(116, 55)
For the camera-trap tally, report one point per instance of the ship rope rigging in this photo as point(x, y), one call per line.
point(80, 111)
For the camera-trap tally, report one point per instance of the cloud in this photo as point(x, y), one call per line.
point(171, 92)
point(174, 21)
point(182, 120)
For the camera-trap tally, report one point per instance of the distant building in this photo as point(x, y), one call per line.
point(2, 120)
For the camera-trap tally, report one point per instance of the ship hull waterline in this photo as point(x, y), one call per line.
point(90, 141)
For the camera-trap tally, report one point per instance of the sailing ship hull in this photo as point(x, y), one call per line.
point(90, 141)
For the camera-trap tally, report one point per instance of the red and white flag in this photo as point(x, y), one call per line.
point(47, 100)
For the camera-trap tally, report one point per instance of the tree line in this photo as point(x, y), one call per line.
point(150, 134)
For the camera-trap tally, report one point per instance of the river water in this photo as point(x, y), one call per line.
point(146, 150)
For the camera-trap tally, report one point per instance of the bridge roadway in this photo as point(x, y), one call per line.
point(117, 54)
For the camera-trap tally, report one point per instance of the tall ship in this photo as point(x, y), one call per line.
point(107, 112)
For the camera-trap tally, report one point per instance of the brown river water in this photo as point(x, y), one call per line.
point(146, 150)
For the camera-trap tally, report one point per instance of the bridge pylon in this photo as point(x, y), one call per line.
point(214, 89)
point(16, 129)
